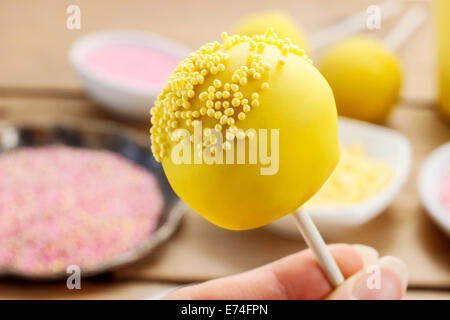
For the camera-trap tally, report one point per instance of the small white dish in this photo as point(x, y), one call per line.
point(430, 177)
point(116, 96)
point(378, 142)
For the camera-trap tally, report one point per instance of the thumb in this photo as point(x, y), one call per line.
point(386, 279)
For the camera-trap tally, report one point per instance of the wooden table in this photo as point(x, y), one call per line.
point(35, 79)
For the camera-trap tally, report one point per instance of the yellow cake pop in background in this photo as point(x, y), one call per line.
point(244, 83)
point(365, 77)
point(258, 23)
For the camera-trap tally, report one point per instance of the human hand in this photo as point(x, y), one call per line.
point(299, 277)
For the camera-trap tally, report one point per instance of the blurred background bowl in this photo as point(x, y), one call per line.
point(120, 97)
point(105, 135)
point(430, 177)
point(380, 143)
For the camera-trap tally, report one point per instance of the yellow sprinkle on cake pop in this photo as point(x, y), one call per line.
point(243, 92)
point(365, 77)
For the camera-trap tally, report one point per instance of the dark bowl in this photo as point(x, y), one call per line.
point(96, 134)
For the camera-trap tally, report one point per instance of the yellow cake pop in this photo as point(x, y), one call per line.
point(258, 23)
point(365, 77)
point(239, 89)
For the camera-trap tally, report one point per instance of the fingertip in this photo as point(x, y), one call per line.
point(398, 268)
point(386, 279)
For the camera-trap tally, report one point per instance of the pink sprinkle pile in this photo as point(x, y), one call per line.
point(63, 206)
point(137, 65)
point(444, 191)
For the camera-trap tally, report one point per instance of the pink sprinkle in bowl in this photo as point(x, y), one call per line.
point(431, 178)
point(99, 135)
point(128, 79)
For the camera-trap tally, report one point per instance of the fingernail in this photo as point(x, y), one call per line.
point(385, 280)
point(368, 254)
point(398, 267)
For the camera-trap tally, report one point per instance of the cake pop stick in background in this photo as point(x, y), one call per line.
point(286, 27)
point(351, 25)
point(410, 22)
point(227, 90)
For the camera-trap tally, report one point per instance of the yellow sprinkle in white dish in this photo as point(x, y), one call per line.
point(368, 148)
point(357, 177)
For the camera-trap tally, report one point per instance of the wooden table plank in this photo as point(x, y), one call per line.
point(427, 295)
point(44, 106)
point(125, 290)
point(12, 290)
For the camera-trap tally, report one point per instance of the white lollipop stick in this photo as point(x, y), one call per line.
point(412, 20)
point(315, 242)
point(351, 25)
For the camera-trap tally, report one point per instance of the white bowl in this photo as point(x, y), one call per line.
point(430, 177)
point(119, 97)
point(379, 142)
